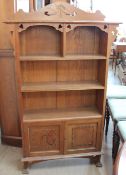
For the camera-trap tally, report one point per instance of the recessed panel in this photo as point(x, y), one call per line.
point(86, 40)
point(76, 99)
point(77, 70)
point(40, 40)
point(44, 71)
point(44, 138)
point(42, 100)
point(82, 136)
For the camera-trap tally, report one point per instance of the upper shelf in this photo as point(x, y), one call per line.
point(59, 58)
point(80, 43)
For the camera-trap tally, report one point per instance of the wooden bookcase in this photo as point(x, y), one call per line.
point(61, 63)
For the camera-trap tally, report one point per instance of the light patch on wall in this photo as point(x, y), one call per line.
point(23, 4)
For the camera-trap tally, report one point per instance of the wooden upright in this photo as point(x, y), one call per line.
point(9, 118)
point(61, 64)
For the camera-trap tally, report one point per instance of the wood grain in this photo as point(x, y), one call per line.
point(77, 137)
point(57, 12)
point(49, 140)
point(83, 40)
point(6, 10)
point(10, 123)
point(38, 72)
point(63, 62)
point(61, 86)
point(61, 114)
point(63, 99)
point(38, 38)
point(44, 158)
point(46, 71)
point(77, 70)
point(45, 100)
point(74, 99)
point(67, 57)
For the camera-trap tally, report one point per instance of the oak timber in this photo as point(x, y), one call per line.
point(61, 86)
point(69, 57)
point(62, 114)
point(61, 56)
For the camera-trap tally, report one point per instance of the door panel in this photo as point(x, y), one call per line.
point(44, 138)
point(82, 136)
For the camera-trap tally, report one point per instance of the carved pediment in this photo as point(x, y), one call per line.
point(59, 12)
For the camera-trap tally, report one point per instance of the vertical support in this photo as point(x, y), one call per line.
point(116, 142)
point(107, 117)
point(105, 37)
point(116, 62)
point(107, 52)
point(96, 160)
point(17, 72)
point(64, 41)
point(25, 168)
point(10, 122)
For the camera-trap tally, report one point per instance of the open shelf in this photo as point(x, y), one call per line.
point(40, 40)
point(64, 114)
point(68, 57)
point(63, 99)
point(61, 86)
point(84, 40)
point(70, 71)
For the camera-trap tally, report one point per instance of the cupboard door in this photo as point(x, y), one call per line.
point(82, 136)
point(43, 138)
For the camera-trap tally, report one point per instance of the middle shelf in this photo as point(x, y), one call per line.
point(62, 75)
point(61, 114)
point(58, 58)
point(61, 86)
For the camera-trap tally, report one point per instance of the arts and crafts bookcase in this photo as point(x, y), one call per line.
point(61, 64)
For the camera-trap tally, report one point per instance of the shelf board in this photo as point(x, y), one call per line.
point(60, 58)
point(61, 114)
point(61, 86)
point(53, 157)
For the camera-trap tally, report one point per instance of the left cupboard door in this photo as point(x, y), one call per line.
point(43, 138)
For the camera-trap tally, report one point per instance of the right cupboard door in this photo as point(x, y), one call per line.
point(82, 136)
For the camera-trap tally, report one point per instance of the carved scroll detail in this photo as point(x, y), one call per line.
point(70, 27)
point(104, 27)
point(49, 138)
point(59, 11)
point(61, 27)
point(44, 138)
point(23, 26)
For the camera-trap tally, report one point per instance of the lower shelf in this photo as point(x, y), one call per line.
point(44, 158)
point(65, 114)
